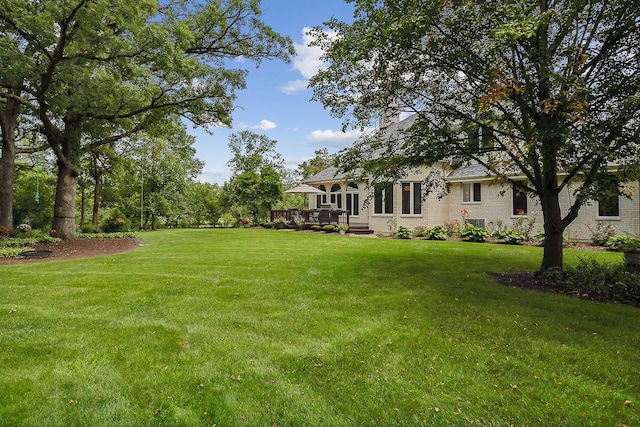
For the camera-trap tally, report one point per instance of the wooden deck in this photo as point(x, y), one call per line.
point(321, 217)
point(313, 216)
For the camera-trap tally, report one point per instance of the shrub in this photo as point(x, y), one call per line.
point(621, 243)
point(471, 233)
point(404, 233)
point(600, 233)
point(540, 237)
point(89, 228)
point(509, 237)
point(316, 227)
point(329, 228)
point(420, 231)
point(436, 233)
point(116, 223)
point(608, 282)
point(267, 224)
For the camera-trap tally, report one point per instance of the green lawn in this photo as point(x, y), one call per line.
point(258, 327)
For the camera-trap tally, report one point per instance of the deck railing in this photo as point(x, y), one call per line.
point(312, 216)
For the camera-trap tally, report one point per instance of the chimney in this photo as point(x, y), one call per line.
point(389, 116)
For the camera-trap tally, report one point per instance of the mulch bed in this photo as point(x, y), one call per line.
point(75, 248)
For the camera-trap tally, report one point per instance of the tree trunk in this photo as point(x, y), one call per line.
point(553, 232)
point(8, 123)
point(7, 179)
point(64, 210)
point(96, 202)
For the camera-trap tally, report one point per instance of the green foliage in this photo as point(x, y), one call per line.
point(419, 231)
point(621, 243)
point(266, 224)
point(115, 222)
point(509, 237)
point(437, 232)
point(471, 233)
point(89, 228)
point(316, 227)
point(606, 281)
point(115, 235)
point(321, 161)
point(328, 228)
point(404, 233)
point(227, 220)
point(256, 184)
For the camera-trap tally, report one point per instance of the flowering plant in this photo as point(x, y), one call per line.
point(600, 233)
point(25, 228)
point(453, 227)
point(280, 220)
point(245, 222)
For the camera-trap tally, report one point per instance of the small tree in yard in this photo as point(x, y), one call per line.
point(547, 90)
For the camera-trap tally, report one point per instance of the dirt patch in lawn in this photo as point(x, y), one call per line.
point(73, 249)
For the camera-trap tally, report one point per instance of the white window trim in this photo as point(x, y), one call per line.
point(609, 218)
point(411, 196)
point(471, 193)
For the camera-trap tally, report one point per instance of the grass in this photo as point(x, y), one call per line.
point(263, 327)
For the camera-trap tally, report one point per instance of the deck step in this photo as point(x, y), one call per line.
point(359, 229)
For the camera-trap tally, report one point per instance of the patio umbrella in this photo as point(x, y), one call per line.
point(304, 189)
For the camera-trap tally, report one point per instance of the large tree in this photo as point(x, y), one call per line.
point(258, 170)
point(97, 71)
point(554, 86)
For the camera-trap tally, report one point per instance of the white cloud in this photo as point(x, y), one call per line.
point(214, 176)
point(265, 125)
point(294, 86)
point(307, 61)
point(333, 138)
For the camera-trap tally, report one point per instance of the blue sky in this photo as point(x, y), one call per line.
point(276, 102)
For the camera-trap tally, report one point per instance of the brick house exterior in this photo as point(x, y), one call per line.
point(472, 189)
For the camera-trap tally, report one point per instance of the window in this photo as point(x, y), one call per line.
point(412, 198)
point(471, 192)
point(383, 199)
point(336, 196)
point(353, 199)
point(519, 199)
point(480, 137)
point(321, 199)
point(609, 206)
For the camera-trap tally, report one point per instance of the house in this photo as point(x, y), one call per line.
point(473, 191)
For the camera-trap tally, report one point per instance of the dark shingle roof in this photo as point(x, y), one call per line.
point(328, 174)
point(470, 171)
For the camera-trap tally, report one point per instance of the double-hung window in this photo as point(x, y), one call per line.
point(383, 199)
point(471, 192)
point(412, 198)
